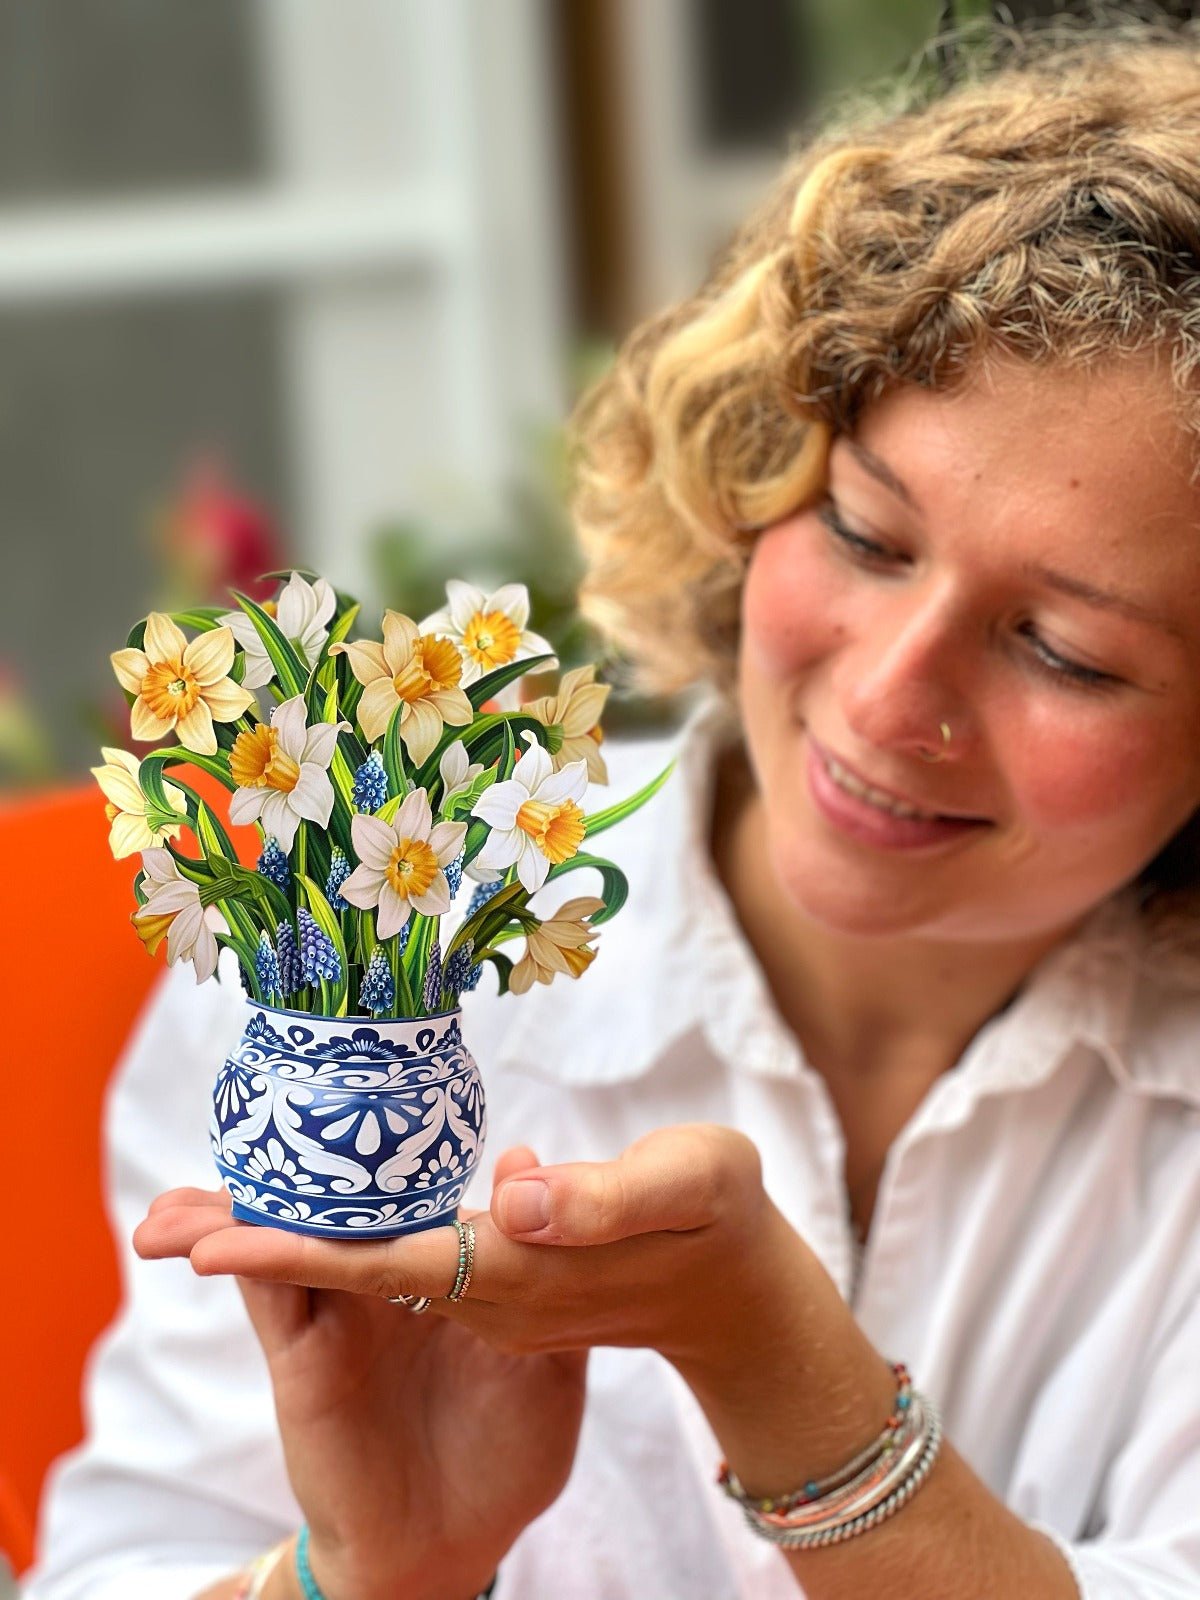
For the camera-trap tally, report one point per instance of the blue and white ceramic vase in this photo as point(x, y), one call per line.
point(347, 1127)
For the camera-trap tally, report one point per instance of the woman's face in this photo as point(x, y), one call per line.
point(1020, 561)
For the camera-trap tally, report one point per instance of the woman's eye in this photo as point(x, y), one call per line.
point(853, 542)
point(1062, 667)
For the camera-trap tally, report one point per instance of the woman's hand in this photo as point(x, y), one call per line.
point(674, 1246)
point(417, 1452)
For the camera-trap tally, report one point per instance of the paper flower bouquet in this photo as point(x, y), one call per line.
point(388, 779)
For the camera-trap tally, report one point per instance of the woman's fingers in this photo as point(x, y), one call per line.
point(173, 1230)
point(519, 1159)
point(421, 1264)
point(673, 1180)
point(219, 1198)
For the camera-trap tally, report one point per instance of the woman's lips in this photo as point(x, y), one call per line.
point(871, 824)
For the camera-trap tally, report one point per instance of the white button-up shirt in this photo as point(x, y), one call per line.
point(1034, 1255)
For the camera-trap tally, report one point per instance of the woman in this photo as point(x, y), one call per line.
point(885, 1060)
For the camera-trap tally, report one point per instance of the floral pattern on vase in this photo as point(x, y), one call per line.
point(347, 1127)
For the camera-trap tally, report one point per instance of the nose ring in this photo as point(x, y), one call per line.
point(941, 754)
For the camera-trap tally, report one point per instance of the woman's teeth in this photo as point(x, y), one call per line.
point(863, 791)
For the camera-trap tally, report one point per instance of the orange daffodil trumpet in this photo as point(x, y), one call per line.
point(181, 687)
point(490, 630)
point(366, 840)
point(414, 670)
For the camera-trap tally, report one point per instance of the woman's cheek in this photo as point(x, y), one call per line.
point(1078, 771)
point(788, 602)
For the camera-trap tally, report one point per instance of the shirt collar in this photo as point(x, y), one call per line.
point(679, 963)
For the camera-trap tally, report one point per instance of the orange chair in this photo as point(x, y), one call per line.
point(75, 978)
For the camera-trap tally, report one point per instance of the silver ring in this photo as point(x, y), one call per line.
point(466, 1261)
point(416, 1303)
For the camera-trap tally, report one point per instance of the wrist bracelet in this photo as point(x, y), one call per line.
point(868, 1489)
point(308, 1583)
point(254, 1579)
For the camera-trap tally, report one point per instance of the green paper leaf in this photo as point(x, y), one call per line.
point(502, 965)
point(291, 670)
point(611, 815)
point(614, 889)
point(463, 803)
point(490, 685)
point(309, 894)
point(392, 752)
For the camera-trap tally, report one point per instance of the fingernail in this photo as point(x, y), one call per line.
point(525, 1205)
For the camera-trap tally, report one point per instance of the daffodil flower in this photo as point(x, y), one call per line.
point(282, 772)
point(489, 629)
point(576, 710)
point(412, 669)
point(560, 944)
point(535, 817)
point(302, 613)
point(181, 687)
point(136, 825)
point(173, 911)
point(458, 772)
point(402, 864)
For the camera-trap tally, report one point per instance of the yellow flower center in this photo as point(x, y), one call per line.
point(491, 638)
point(434, 664)
point(596, 733)
point(556, 830)
point(169, 690)
point(257, 762)
point(271, 607)
point(412, 868)
point(111, 811)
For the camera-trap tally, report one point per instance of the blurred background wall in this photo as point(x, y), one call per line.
point(283, 280)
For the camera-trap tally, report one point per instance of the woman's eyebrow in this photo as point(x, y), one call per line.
point(881, 472)
point(1082, 590)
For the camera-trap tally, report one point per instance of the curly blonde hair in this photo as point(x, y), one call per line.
point(1047, 206)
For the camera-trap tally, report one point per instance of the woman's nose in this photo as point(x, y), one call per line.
point(898, 681)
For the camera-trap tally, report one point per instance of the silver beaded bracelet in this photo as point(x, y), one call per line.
point(844, 1518)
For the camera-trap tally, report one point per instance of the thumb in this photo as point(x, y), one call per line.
point(671, 1181)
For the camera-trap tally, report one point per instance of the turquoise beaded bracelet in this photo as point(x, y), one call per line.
point(309, 1584)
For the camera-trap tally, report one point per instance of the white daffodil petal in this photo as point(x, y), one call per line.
point(498, 806)
point(452, 767)
point(210, 656)
point(321, 740)
point(295, 607)
point(373, 840)
point(362, 887)
point(414, 818)
point(204, 955)
point(463, 600)
point(159, 865)
point(420, 730)
point(532, 867)
point(121, 787)
point(130, 667)
point(128, 835)
point(145, 727)
point(534, 767)
point(513, 600)
point(393, 913)
point(435, 902)
point(569, 784)
point(501, 849)
point(279, 818)
point(312, 798)
point(196, 732)
point(379, 700)
point(290, 722)
point(245, 806)
point(446, 840)
point(163, 640)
